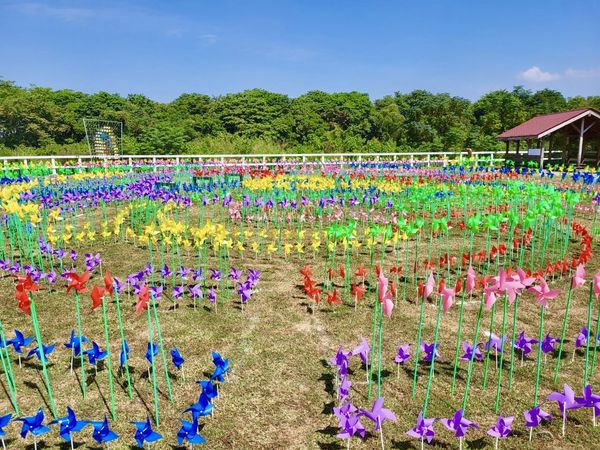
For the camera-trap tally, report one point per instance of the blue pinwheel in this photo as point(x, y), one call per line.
point(75, 343)
point(208, 388)
point(34, 425)
point(4, 420)
point(203, 407)
point(36, 352)
point(221, 367)
point(102, 433)
point(95, 354)
point(19, 341)
point(177, 358)
point(124, 356)
point(189, 432)
point(151, 352)
point(145, 433)
point(69, 425)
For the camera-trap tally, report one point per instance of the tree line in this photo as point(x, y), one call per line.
point(38, 120)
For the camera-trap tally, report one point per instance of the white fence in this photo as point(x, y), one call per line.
point(265, 160)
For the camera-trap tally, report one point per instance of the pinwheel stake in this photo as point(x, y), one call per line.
point(38, 338)
point(470, 369)
point(458, 335)
point(108, 360)
point(562, 334)
point(432, 366)
point(499, 386)
point(122, 333)
point(8, 372)
point(590, 338)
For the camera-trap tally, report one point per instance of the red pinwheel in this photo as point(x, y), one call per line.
point(361, 272)
point(108, 283)
point(306, 271)
point(78, 282)
point(342, 272)
point(143, 300)
point(25, 285)
point(358, 291)
point(97, 294)
point(333, 299)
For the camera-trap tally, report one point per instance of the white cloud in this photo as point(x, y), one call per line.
point(582, 73)
point(537, 75)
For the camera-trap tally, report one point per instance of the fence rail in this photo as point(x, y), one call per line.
point(251, 160)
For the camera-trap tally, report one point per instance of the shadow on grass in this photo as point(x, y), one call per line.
point(32, 385)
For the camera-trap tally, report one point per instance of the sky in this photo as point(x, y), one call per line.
point(165, 48)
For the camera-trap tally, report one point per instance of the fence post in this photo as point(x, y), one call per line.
point(154, 164)
point(4, 165)
point(130, 165)
point(79, 163)
point(492, 160)
point(53, 166)
point(428, 159)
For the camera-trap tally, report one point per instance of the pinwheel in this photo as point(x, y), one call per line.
point(34, 425)
point(97, 295)
point(351, 426)
point(589, 400)
point(189, 432)
point(95, 354)
point(18, 342)
point(565, 401)
point(102, 433)
point(429, 350)
point(145, 433)
point(357, 291)
point(69, 425)
point(78, 282)
point(459, 425)
point(124, 354)
point(502, 429)
point(363, 351)
point(4, 420)
point(208, 388)
point(471, 352)
point(523, 344)
point(177, 360)
point(47, 350)
point(203, 407)
point(143, 300)
point(534, 418)
point(423, 429)
point(402, 356)
point(378, 415)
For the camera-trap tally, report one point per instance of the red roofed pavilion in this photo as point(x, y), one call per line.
point(562, 129)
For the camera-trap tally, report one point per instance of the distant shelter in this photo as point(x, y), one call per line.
point(568, 137)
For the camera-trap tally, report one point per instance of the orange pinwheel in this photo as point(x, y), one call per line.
point(108, 283)
point(78, 282)
point(332, 298)
point(143, 299)
point(97, 294)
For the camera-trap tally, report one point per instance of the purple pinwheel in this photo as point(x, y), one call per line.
point(234, 274)
point(165, 271)
point(156, 292)
point(340, 360)
point(582, 338)
point(197, 275)
point(177, 292)
point(253, 276)
point(502, 428)
point(362, 350)
point(212, 295)
point(423, 429)
point(523, 343)
point(344, 389)
point(51, 277)
point(215, 274)
point(468, 349)
point(403, 354)
point(459, 424)
point(183, 272)
point(352, 427)
point(548, 343)
point(534, 418)
point(118, 285)
point(245, 292)
point(589, 400)
point(73, 255)
point(566, 401)
point(429, 350)
point(378, 415)
point(494, 342)
point(195, 292)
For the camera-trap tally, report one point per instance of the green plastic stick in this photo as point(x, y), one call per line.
point(470, 370)
point(499, 386)
point(108, 362)
point(81, 359)
point(563, 332)
point(122, 334)
point(432, 366)
point(590, 338)
point(539, 358)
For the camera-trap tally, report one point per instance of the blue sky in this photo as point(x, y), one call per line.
point(164, 48)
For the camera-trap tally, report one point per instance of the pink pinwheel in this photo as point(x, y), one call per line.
point(385, 296)
point(503, 285)
point(543, 292)
point(429, 286)
point(579, 277)
point(471, 280)
point(489, 298)
point(524, 278)
point(597, 284)
point(566, 401)
point(447, 298)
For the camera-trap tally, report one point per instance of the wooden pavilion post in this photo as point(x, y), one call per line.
point(517, 157)
point(541, 153)
point(581, 131)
